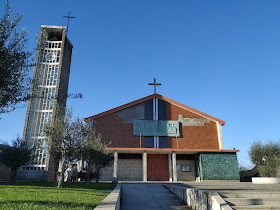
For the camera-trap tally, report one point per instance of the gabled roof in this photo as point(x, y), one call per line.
point(102, 114)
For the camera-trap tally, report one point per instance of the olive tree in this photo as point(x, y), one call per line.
point(63, 135)
point(15, 62)
point(266, 156)
point(94, 152)
point(15, 155)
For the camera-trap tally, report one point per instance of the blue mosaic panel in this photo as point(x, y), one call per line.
point(149, 110)
point(155, 128)
point(161, 110)
point(149, 142)
point(163, 142)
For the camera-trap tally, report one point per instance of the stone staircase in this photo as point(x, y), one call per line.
point(252, 199)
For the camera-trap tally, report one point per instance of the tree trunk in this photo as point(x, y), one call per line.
point(55, 171)
point(88, 172)
point(61, 178)
point(97, 174)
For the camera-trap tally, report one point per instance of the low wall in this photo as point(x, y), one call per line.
point(5, 173)
point(265, 180)
point(107, 173)
point(199, 199)
point(112, 201)
point(31, 175)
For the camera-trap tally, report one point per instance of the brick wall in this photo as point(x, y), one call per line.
point(120, 133)
point(129, 170)
point(218, 166)
point(186, 176)
point(192, 137)
point(114, 130)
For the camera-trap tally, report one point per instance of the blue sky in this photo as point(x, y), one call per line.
point(220, 57)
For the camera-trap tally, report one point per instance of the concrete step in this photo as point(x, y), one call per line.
point(257, 207)
point(252, 201)
point(249, 194)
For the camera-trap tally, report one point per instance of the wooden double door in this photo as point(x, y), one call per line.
point(157, 167)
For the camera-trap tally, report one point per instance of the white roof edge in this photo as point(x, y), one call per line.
point(193, 112)
point(52, 26)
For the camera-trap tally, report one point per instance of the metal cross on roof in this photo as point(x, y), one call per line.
point(154, 84)
point(68, 17)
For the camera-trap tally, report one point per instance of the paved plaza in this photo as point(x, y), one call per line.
point(152, 195)
point(230, 186)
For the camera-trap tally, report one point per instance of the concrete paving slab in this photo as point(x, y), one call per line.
point(139, 196)
point(231, 186)
point(242, 195)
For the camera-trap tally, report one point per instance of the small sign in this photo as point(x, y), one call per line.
point(186, 168)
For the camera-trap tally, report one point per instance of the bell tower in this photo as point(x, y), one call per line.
point(48, 97)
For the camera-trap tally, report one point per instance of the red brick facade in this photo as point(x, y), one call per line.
point(192, 137)
point(117, 133)
point(120, 134)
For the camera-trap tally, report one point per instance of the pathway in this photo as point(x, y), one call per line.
point(149, 196)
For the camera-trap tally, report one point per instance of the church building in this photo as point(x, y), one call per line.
point(158, 139)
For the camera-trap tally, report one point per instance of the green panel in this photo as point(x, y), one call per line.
point(155, 128)
point(218, 166)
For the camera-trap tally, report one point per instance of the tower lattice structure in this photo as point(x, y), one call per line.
point(48, 94)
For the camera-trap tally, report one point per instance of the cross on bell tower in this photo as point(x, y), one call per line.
point(68, 17)
point(155, 85)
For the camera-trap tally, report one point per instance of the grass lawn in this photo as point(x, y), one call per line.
point(45, 195)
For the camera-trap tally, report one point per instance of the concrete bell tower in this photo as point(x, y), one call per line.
point(49, 91)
